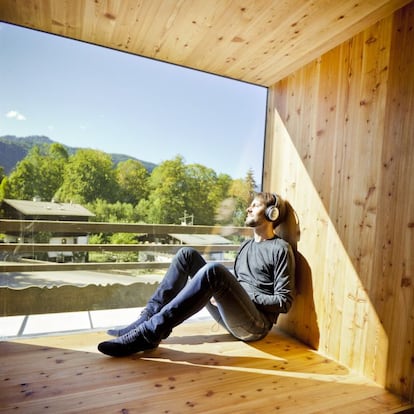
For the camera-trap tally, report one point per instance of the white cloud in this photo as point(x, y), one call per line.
point(15, 115)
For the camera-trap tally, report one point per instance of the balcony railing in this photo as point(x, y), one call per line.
point(19, 257)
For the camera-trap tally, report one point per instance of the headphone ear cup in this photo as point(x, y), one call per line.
point(272, 213)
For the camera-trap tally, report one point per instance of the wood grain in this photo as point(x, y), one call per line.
point(259, 42)
point(199, 369)
point(341, 148)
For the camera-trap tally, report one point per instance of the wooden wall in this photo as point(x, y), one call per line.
point(340, 147)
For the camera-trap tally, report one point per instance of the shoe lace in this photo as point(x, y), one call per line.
point(129, 337)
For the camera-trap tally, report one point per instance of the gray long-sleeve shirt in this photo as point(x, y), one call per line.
point(266, 271)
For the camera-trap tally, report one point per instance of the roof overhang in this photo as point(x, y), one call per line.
point(259, 42)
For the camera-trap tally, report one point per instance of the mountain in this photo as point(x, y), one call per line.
point(14, 149)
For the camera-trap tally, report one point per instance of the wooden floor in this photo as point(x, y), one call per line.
point(199, 369)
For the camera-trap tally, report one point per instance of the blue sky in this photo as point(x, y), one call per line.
point(91, 97)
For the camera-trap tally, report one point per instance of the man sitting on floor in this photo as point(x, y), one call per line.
point(247, 303)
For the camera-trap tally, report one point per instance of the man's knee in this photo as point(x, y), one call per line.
point(189, 260)
point(186, 252)
point(214, 267)
point(216, 274)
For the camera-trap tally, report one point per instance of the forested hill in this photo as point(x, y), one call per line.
point(13, 149)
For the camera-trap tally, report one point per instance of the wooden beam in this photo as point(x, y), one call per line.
point(33, 266)
point(18, 248)
point(32, 226)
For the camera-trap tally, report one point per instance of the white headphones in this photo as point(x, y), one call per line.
point(272, 212)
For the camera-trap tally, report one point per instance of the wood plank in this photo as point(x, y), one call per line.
point(255, 41)
point(33, 266)
point(349, 178)
point(395, 287)
point(66, 227)
point(198, 369)
point(18, 248)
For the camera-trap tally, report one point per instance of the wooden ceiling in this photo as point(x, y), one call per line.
point(254, 41)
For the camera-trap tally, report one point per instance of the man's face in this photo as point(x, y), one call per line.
point(255, 213)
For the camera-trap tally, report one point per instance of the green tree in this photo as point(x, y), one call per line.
point(52, 169)
point(57, 151)
point(250, 183)
point(241, 191)
point(112, 212)
point(38, 174)
point(223, 185)
point(177, 189)
point(89, 175)
point(24, 180)
point(167, 185)
point(200, 197)
point(223, 211)
point(4, 185)
point(132, 179)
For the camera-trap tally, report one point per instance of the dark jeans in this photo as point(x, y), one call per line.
point(177, 298)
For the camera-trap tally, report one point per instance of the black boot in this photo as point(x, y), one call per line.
point(119, 332)
point(128, 344)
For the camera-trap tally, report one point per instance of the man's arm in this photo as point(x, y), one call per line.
point(283, 286)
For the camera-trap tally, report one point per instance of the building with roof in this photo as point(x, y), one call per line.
point(209, 240)
point(45, 210)
point(202, 240)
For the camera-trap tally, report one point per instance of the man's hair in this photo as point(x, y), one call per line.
point(273, 199)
